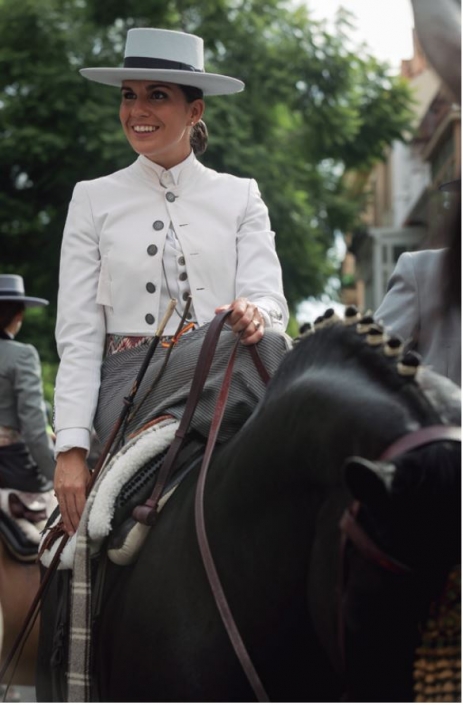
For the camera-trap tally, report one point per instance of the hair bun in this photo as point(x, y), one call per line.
point(199, 137)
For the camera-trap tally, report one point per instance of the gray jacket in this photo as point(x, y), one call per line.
point(21, 401)
point(414, 308)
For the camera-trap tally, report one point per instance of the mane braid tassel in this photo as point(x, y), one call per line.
point(437, 667)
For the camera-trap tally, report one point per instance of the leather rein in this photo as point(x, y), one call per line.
point(147, 513)
point(352, 531)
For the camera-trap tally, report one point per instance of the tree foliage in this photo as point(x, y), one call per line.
point(312, 108)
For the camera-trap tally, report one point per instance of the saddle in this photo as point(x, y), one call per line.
point(23, 516)
point(18, 545)
point(127, 536)
point(126, 482)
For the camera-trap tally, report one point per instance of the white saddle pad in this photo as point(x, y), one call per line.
point(123, 466)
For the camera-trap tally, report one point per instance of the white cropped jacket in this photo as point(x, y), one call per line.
point(112, 247)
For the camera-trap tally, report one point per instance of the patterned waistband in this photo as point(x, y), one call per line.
point(118, 343)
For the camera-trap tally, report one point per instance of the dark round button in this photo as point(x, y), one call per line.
point(149, 318)
point(170, 196)
point(158, 225)
point(185, 295)
point(150, 288)
point(151, 250)
point(189, 316)
point(181, 261)
point(183, 276)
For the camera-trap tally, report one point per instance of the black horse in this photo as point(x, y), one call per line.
point(273, 502)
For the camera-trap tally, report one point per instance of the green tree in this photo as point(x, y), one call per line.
point(314, 106)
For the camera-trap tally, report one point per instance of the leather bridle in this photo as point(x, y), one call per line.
point(352, 531)
point(410, 441)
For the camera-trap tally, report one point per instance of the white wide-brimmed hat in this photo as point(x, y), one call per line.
point(165, 55)
point(12, 289)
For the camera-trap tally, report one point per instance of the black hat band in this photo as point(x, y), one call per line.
point(143, 62)
point(11, 292)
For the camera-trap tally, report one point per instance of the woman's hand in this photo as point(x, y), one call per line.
point(72, 477)
point(245, 317)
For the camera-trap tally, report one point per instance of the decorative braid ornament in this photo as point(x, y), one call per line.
point(437, 667)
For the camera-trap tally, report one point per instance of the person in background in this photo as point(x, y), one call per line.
point(164, 228)
point(26, 453)
point(423, 299)
point(422, 303)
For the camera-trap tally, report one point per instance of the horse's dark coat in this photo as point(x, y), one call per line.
point(273, 502)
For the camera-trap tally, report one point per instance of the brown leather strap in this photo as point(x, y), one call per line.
point(147, 513)
point(128, 400)
point(366, 546)
point(204, 547)
point(421, 437)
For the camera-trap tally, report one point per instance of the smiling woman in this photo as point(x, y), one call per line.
point(166, 227)
point(158, 119)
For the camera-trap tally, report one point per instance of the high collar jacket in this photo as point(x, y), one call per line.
point(111, 265)
point(414, 308)
point(22, 406)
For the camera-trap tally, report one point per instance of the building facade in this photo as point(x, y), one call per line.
point(406, 210)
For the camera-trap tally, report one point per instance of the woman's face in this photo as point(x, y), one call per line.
point(157, 120)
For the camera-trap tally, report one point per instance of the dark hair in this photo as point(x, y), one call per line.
point(199, 134)
point(8, 310)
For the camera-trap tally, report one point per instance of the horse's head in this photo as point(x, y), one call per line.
point(411, 505)
point(411, 494)
point(404, 528)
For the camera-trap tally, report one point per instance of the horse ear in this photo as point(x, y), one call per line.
point(369, 482)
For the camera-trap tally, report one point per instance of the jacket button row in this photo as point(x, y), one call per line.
point(158, 225)
point(149, 318)
point(151, 250)
point(170, 196)
point(150, 288)
point(185, 295)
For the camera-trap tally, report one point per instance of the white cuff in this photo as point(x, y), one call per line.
point(72, 438)
point(272, 318)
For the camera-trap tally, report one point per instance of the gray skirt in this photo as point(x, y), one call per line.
point(169, 394)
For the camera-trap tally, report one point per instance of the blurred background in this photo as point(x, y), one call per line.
point(344, 125)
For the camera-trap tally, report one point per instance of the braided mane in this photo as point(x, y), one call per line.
point(362, 345)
